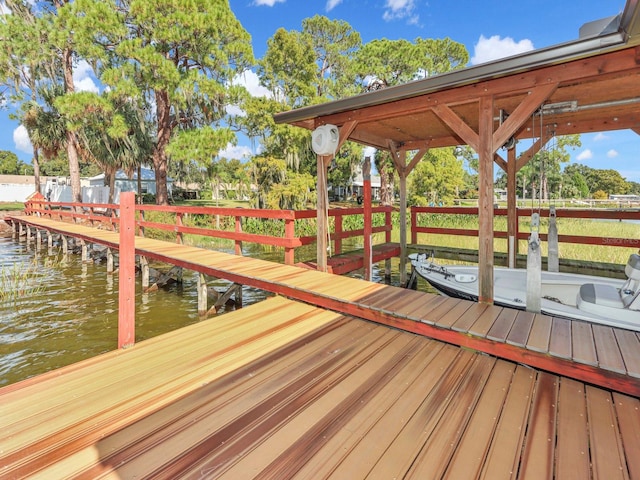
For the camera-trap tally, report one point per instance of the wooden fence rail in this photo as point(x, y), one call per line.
point(108, 216)
point(526, 213)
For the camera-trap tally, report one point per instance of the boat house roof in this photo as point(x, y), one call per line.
point(586, 85)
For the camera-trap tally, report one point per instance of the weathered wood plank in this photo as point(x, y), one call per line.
point(537, 456)
point(471, 452)
point(400, 454)
point(628, 418)
point(560, 342)
point(506, 446)
point(502, 326)
point(436, 452)
point(607, 452)
point(572, 457)
point(607, 349)
point(452, 316)
point(353, 451)
point(630, 350)
point(485, 321)
point(519, 333)
point(583, 344)
point(469, 317)
point(540, 334)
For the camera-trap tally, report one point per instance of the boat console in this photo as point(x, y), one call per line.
point(604, 299)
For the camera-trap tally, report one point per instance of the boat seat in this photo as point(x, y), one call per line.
point(631, 287)
point(599, 294)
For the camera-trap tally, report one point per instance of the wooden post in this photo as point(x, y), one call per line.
point(84, 251)
point(65, 245)
point(109, 261)
point(289, 234)
point(388, 221)
point(202, 294)
point(38, 239)
point(337, 231)
point(238, 230)
point(144, 272)
point(49, 240)
point(512, 214)
point(179, 239)
point(485, 201)
point(402, 154)
point(127, 270)
point(368, 254)
point(322, 221)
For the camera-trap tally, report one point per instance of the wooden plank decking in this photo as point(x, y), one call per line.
point(283, 390)
point(604, 356)
point(350, 261)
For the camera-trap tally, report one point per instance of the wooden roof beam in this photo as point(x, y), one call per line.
point(523, 113)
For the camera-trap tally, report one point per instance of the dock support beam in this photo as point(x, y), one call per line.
point(144, 272)
point(202, 295)
point(127, 271)
point(109, 261)
point(84, 251)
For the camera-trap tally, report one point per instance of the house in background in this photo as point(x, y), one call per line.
point(124, 184)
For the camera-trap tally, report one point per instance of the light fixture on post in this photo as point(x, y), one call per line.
point(324, 140)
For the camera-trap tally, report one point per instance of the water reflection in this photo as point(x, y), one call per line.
point(71, 312)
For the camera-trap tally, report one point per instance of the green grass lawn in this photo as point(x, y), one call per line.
point(11, 206)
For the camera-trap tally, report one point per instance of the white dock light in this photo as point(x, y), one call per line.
point(324, 139)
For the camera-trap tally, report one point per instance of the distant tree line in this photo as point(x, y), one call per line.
point(171, 97)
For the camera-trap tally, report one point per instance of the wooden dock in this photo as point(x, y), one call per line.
point(285, 389)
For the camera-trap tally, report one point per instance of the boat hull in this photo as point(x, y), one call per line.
point(560, 291)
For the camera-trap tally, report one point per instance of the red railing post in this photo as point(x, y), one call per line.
point(178, 225)
point(238, 230)
point(388, 223)
point(127, 272)
point(414, 225)
point(368, 250)
point(337, 248)
point(289, 234)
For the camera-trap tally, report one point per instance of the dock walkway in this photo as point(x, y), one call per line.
point(600, 355)
point(282, 390)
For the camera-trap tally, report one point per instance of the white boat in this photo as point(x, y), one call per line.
point(608, 301)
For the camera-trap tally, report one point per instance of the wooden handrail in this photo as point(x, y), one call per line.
point(526, 212)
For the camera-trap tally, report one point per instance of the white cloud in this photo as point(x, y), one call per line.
point(331, 4)
point(249, 80)
point(600, 137)
point(83, 78)
point(240, 152)
point(268, 3)
point(493, 48)
point(21, 139)
point(612, 153)
point(399, 9)
point(585, 155)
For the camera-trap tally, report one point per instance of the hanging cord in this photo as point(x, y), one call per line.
point(323, 172)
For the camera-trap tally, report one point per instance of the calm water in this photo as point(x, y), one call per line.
point(70, 313)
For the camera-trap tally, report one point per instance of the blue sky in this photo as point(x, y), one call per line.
point(489, 29)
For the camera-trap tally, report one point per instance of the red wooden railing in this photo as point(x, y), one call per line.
point(107, 214)
point(526, 212)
